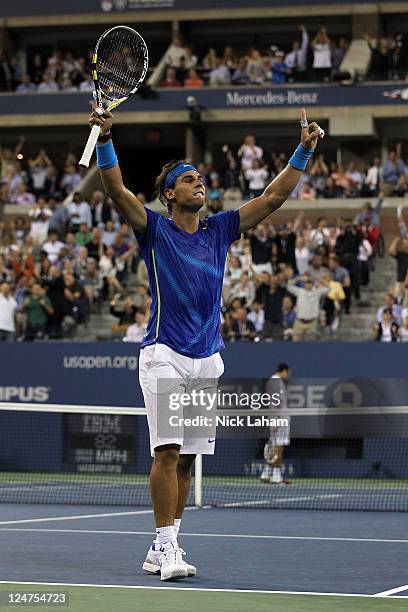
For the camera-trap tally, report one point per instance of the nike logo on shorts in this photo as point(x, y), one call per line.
point(210, 440)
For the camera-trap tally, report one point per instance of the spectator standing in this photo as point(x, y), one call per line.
point(347, 249)
point(288, 317)
point(390, 303)
point(261, 249)
point(272, 304)
point(308, 300)
point(322, 61)
point(249, 151)
point(52, 246)
point(257, 74)
point(38, 308)
point(296, 60)
point(8, 308)
point(79, 212)
point(284, 246)
point(380, 64)
point(257, 178)
point(40, 218)
point(280, 69)
point(371, 184)
point(399, 250)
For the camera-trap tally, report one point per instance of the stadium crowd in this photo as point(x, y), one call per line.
point(311, 57)
point(60, 264)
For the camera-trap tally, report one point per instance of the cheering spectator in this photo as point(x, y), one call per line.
point(261, 249)
point(40, 216)
point(38, 308)
point(176, 54)
point(380, 64)
point(8, 308)
point(53, 246)
point(284, 246)
point(371, 184)
point(322, 61)
point(70, 179)
point(271, 295)
point(244, 290)
point(249, 151)
point(399, 250)
point(296, 60)
point(257, 178)
point(347, 249)
point(79, 212)
point(307, 307)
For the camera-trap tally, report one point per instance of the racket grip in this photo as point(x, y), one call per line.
point(90, 146)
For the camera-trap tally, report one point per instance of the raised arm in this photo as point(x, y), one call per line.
point(129, 206)
point(277, 192)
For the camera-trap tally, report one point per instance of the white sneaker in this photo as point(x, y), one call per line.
point(152, 562)
point(172, 566)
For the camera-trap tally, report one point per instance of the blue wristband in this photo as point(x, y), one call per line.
point(300, 158)
point(105, 156)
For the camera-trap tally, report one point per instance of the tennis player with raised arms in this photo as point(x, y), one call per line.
point(185, 259)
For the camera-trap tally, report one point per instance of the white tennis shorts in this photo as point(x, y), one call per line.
point(164, 373)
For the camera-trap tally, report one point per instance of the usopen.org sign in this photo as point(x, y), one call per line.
point(130, 5)
point(239, 98)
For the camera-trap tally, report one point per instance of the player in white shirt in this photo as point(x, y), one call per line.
point(279, 436)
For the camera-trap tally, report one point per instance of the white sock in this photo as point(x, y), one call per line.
point(177, 523)
point(276, 474)
point(166, 536)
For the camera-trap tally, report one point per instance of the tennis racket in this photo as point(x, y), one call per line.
point(119, 66)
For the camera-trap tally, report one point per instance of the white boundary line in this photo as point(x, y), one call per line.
point(83, 516)
point(174, 588)
point(210, 535)
point(392, 591)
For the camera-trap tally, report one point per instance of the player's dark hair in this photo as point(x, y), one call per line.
point(282, 367)
point(158, 191)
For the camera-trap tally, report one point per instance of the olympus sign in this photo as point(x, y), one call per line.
point(24, 394)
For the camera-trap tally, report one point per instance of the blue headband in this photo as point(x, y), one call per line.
point(177, 171)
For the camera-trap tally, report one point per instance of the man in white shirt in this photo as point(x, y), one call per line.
point(248, 152)
point(176, 54)
point(53, 246)
point(257, 177)
point(40, 216)
point(79, 212)
point(8, 307)
point(137, 330)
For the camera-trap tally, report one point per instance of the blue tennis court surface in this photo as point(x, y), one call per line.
point(293, 551)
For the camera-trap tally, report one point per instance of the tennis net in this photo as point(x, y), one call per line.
point(337, 459)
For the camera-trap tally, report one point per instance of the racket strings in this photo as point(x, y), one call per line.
point(121, 63)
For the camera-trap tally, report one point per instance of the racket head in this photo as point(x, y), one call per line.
point(119, 64)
